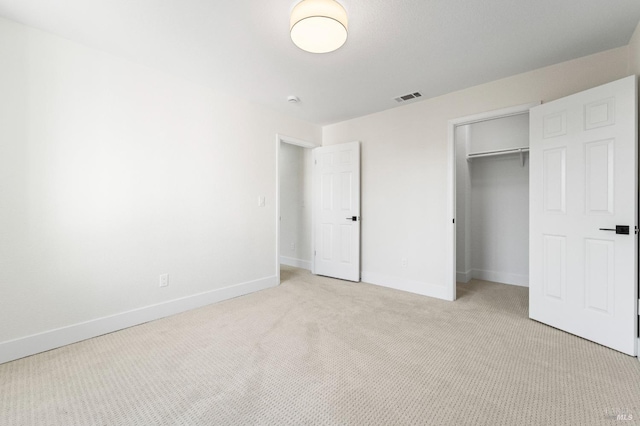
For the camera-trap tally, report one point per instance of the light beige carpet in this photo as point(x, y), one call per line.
point(318, 351)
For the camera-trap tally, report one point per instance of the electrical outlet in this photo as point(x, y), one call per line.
point(404, 262)
point(293, 246)
point(164, 280)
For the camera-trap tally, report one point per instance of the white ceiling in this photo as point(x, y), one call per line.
point(394, 47)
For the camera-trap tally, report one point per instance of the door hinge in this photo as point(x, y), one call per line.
point(314, 252)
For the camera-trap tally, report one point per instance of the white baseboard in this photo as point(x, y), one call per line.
point(41, 342)
point(298, 263)
point(464, 277)
point(418, 287)
point(500, 277)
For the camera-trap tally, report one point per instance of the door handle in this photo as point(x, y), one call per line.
point(619, 229)
point(354, 218)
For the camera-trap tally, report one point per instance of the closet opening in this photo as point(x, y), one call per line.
point(489, 171)
point(293, 199)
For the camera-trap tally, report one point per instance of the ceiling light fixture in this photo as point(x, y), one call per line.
point(318, 26)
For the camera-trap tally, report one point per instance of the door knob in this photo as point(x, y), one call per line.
point(354, 218)
point(619, 229)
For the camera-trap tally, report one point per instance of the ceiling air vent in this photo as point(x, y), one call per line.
point(408, 97)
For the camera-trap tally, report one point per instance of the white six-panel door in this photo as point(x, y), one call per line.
point(337, 211)
point(583, 181)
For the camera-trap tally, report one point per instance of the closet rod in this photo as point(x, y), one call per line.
point(520, 151)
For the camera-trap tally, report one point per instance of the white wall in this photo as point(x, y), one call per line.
point(499, 207)
point(111, 174)
point(504, 133)
point(404, 165)
point(634, 52)
point(295, 205)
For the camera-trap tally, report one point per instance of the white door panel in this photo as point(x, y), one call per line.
point(583, 177)
point(336, 203)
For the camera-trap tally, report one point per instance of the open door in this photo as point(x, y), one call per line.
point(583, 215)
point(336, 221)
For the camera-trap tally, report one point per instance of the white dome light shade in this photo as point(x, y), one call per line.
point(318, 26)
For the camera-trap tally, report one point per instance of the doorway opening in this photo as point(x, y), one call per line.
point(294, 167)
point(489, 198)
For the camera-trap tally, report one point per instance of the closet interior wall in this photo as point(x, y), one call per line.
point(492, 202)
point(295, 168)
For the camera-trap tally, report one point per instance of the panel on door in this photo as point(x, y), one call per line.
point(337, 211)
point(555, 273)
point(583, 182)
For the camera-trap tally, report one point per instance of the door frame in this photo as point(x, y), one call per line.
point(450, 264)
point(280, 138)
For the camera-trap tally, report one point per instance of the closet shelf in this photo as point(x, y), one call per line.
point(521, 151)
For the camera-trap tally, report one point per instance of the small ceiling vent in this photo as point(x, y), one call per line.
point(408, 97)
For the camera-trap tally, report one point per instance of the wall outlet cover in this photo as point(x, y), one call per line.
point(164, 280)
